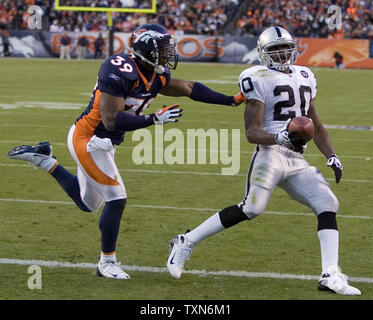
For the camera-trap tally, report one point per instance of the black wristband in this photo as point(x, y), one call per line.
point(204, 94)
point(128, 122)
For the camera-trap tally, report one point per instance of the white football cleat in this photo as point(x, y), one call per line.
point(111, 269)
point(180, 250)
point(39, 155)
point(336, 282)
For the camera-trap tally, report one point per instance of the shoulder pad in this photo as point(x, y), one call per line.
point(256, 72)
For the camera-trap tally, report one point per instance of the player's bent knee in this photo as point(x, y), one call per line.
point(84, 208)
point(327, 202)
point(119, 203)
point(123, 202)
point(252, 209)
point(332, 205)
point(255, 201)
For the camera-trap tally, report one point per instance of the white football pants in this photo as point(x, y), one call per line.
point(97, 173)
point(276, 165)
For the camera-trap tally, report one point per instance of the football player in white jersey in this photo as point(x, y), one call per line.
point(277, 91)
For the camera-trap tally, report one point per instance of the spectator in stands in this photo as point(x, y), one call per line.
point(5, 40)
point(338, 60)
point(99, 44)
point(83, 43)
point(65, 41)
point(309, 18)
point(55, 27)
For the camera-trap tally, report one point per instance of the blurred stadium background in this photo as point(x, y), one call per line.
point(41, 97)
point(223, 31)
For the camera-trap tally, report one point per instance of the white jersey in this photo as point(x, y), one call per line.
point(284, 95)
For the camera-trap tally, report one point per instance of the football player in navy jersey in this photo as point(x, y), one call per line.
point(127, 84)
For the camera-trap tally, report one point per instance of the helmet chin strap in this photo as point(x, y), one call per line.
point(159, 69)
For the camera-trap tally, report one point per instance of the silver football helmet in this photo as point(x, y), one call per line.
point(276, 48)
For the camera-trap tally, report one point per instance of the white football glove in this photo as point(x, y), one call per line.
point(336, 165)
point(167, 114)
point(282, 137)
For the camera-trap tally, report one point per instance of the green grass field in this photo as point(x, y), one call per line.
point(39, 101)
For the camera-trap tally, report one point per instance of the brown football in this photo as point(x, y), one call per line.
point(303, 126)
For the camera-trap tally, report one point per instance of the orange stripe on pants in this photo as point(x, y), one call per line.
point(80, 146)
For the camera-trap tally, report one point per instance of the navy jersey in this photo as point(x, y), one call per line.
point(121, 76)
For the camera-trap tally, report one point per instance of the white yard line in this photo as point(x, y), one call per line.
point(202, 173)
point(243, 274)
point(157, 207)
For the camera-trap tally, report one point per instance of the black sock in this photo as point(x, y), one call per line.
point(231, 216)
point(70, 184)
point(109, 224)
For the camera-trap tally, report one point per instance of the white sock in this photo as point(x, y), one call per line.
point(107, 257)
point(207, 228)
point(329, 243)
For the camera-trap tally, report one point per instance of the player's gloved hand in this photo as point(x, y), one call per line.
point(238, 99)
point(336, 165)
point(282, 137)
point(167, 114)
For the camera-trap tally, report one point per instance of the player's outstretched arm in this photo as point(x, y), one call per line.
point(113, 117)
point(199, 92)
point(323, 142)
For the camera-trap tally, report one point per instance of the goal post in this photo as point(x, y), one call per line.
point(151, 9)
point(59, 5)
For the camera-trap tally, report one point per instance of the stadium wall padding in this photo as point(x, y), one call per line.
point(228, 49)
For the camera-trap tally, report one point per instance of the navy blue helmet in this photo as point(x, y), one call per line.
point(153, 44)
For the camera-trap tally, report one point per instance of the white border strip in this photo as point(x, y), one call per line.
point(244, 274)
point(148, 206)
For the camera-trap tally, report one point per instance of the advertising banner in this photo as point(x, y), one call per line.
point(229, 49)
point(320, 52)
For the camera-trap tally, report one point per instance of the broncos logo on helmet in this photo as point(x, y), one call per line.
point(146, 35)
point(153, 44)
